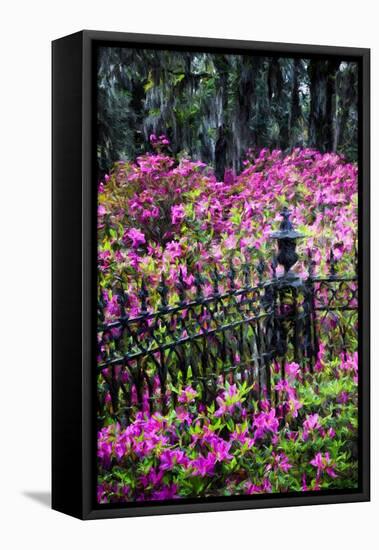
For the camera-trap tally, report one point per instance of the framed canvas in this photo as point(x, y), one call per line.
point(210, 275)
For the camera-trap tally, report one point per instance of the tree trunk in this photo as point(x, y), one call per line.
point(347, 99)
point(322, 77)
point(245, 108)
point(295, 112)
point(221, 147)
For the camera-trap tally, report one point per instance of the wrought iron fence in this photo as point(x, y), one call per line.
point(238, 331)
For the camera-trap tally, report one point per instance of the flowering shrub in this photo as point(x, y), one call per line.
point(227, 449)
point(159, 217)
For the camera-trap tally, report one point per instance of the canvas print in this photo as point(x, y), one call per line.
point(227, 286)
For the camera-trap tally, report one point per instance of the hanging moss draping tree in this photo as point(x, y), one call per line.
point(214, 107)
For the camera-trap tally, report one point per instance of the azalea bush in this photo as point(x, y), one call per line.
point(169, 219)
point(166, 216)
point(308, 443)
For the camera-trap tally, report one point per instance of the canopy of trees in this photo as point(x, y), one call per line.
point(214, 107)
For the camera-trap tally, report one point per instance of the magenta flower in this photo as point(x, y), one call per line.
point(174, 249)
point(177, 213)
point(230, 242)
point(240, 434)
point(166, 493)
point(266, 486)
point(331, 433)
point(292, 370)
point(183, 415)
point(304, 483)
point(349, 363)
point(228, 401)
point(323, 463)
point(104, 448)
point(310, 424)
point(220, 449)
point(147, 214)
point(113, 307)
point(187, 395)
point(104, 260)
point(319, 365)
point(102, 493)
point(136, 236)
point(283, 385)
point(282, 462)
point(343, 397)
point(171, 458)
point(101, 210)
point(252, 489)
point(294, 406)
point(265, 422)
point(204, 466)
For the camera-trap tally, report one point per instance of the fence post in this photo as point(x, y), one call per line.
point(312, 325)
point(288, 285)
point(287, 256)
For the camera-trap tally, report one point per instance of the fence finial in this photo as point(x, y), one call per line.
point(246, 271)
point(286, 224)
point(261, 269)
point(123, 301)
point(181, 288)
point(143, 294)
point(199, 284)
point(215, 280)
point(311, 263)
point(332, 264)
point(232, 275)
point(356, 257)
point(286, 238)
point(101, 306)
point(163, 292)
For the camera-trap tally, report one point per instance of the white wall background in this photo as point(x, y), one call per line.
point(27, 27)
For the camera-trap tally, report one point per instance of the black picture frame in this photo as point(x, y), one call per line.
point(74, 275)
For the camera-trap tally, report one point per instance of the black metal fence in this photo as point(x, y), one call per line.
point(235, 332)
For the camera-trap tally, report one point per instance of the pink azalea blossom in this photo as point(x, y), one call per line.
point(204, 466)
point(177, 213)
point(187, 395)
point(310, 424)
point(101, 210)
point(265, 422)
point(136, 236)
point(323, 463)
point(174, 249)
point(292, 370)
